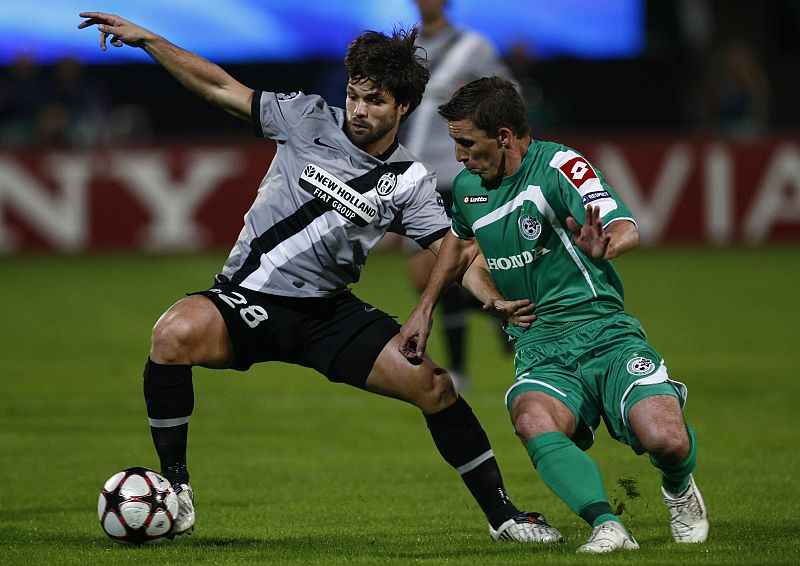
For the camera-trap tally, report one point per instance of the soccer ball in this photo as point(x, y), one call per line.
point(137, 506)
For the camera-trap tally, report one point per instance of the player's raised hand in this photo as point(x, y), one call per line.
point(122, 31)
point(591, 238)
point(414, 336)
point(519, 313)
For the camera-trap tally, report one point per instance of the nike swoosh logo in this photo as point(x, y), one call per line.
point(319, 141)
point(369, 309)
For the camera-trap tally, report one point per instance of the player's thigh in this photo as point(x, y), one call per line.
point(632, 370)
point(549, 368)
point(426, 385)
point(263, 327)
point(192, 332)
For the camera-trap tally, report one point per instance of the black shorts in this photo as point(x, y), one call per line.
point(340, 337)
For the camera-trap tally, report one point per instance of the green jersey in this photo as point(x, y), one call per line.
point(520, 225)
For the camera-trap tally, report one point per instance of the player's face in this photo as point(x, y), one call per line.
point(373, 117)
point(480, 154)
point(430, 9)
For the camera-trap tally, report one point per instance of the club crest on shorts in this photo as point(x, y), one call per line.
point(529, 227)
point(386, 184)
point(640, 366)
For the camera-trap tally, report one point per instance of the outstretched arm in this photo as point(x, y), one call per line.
point(453, 258)
point(196, 74)
point(458, 261)
point(603, 243)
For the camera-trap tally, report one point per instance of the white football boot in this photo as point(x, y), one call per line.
point(608, 537)
point(526, 527)
point(688, 516)
point(184, 522)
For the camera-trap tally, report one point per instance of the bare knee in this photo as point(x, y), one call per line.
point(435, 393)
point(426, 386)
point(527, 426)
point(534, 413)
point(669, 446)
point(657, 422)
point(171, 336)
point(190, 332)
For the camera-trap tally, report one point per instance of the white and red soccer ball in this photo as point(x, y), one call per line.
point(137, 506)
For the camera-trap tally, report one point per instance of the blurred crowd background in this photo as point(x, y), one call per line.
point(689, 108)
point(721, 67)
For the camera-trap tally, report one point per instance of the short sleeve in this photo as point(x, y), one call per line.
point(583, 185)
point(423, 218)
point(459, 224)
point(275, 115)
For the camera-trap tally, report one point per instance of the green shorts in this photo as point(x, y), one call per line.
point(599, 369)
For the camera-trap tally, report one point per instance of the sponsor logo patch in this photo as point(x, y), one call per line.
point(337, 195)
point(529, 227)
point(319, 141)
point(386, 184)
point(475, 199)
point(640, 366)
point(591, 197)
point(516, 261)
point(578, 171)
point(286, 95)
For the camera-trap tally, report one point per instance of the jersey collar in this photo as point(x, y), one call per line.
point(533, 147)
point(389, 151)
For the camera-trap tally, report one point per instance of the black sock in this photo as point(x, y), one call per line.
point(463, 443)
point(170, 444)
point(169, 395)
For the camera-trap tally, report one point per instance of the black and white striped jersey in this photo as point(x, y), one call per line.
point(324, 203)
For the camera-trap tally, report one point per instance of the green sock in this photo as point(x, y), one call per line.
point(571, 475)
point(675, 478)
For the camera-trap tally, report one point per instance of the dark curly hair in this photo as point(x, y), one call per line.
point(490, 103)
point(391, 63)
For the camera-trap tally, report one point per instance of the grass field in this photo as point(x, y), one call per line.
point(289, 469)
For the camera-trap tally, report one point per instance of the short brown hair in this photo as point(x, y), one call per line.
point(490, 103)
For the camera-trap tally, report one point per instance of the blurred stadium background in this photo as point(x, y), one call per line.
point(119, 191)
point(688, 106)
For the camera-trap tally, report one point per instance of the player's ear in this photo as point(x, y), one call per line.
point(402, 108)
point(505, 136)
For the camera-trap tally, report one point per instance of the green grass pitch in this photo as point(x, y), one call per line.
point(289, 469)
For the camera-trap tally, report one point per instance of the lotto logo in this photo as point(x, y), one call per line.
point(578, 171)
point(475, 199)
